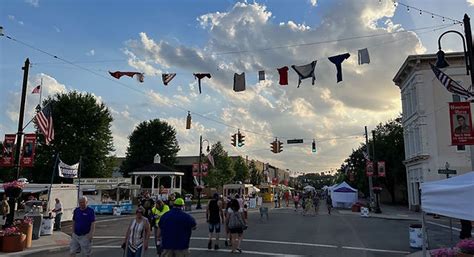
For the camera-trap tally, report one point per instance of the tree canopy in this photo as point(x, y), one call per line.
point(223, 173)
point(148, 139)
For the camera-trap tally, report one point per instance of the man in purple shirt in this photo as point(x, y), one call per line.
point(83, 223)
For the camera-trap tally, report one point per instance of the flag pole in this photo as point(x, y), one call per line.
point(52, 178)
point(79, 180)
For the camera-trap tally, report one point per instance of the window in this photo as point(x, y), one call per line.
point(456, 98)
point(460, 148)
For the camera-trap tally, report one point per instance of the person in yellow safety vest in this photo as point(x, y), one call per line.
point(158, 211)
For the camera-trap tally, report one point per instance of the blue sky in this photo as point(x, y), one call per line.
point(184, 37)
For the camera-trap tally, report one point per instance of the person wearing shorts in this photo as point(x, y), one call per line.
point(83, 223)
point(236, 234)
point(214, 217)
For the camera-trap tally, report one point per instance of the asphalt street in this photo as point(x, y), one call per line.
point(286, 233)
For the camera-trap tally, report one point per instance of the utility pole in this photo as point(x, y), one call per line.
point(371, 192)
point(19, 134)
point(199, 189)
point(377, 204)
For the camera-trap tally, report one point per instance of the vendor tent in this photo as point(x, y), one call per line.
point(343, 195)
point(450, 197)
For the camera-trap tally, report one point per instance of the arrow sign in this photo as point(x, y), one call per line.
point(294, 141)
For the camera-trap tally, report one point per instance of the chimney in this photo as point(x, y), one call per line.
point(157, 159)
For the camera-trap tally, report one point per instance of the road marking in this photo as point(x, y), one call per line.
point(205, 249)
point(276, 242)
point(373, 250)
point(109, 220)
point(286, 243)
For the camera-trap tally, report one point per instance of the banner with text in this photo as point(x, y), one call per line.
point(28, 152)
point(204, 169)
point(461, 123)
point(8, 150)
point(68, 171)
point(381, 168)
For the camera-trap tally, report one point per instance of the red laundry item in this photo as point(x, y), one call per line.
point(283, 75)
point(200, 76)
point(119, 74)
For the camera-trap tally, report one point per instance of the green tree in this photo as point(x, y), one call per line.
point(81, 130)
point(241, 170)
point(256, 177)
point(223, 173)
point(148, 139)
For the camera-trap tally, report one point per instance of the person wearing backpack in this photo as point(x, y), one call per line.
point(236, 224)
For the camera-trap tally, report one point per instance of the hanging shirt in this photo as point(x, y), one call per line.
point(261, 75)
point(239, 82)
point(119, 74)
point(200, 76)
point(283, 71)
point(363, 55)
point(305, 71)
point(337, 60)
point(167, 77)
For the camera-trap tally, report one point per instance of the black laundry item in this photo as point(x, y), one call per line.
point(337, 60)
point(200, 76)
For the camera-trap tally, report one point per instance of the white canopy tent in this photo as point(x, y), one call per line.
point(450, 197)
point(343, 195)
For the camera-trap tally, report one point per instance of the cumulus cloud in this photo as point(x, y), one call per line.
point(34, 3)
point(470, 2)
point(314, 2)
point(56, 29)
point(246, 39)
point(91, 52)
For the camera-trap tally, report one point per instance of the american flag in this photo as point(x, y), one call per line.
point(44, 119)
point(36, 90)
point(451, 85)
point(167, 77)
point(211, 159)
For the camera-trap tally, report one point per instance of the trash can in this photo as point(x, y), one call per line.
point(187, 205)
point(117, 210)
point(47, 226)
point(416, 236)
point(364, 212)
point(37, 222)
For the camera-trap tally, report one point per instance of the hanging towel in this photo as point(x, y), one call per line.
point(200, 76)
point(167, 77)
point(283, 71)
point(337, 60)
point(239, 82)
point(363, 55)
point(305, 71)
point(261, 75)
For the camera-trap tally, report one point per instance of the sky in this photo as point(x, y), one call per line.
point(222, 38)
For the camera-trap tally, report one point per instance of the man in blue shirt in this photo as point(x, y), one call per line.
point(83, 223)
point(175, 231)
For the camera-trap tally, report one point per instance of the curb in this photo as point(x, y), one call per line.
point(380, 217)
point(51, 249)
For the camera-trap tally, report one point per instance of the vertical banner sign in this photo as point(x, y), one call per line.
point(275, 181)
point(369, 168)
point(8, 150)
point(381, 168)
point(28, 151)
point(204, 169)
point(195, 169)
point(461, 123)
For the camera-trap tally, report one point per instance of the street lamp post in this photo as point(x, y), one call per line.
point(199, 188)
point(468, 57)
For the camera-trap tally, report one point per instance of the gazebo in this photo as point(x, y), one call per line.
point(156, 171)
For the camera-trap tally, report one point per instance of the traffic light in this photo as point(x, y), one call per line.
point(274, 146)
point(314, 146)
point(240, 139)
point(280, 146)
point(233, 140)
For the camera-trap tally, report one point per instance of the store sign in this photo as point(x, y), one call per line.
point(103, 181)
point(8, 150)
point(461, 123)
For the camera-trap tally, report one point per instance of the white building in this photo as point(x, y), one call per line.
point(426, 124)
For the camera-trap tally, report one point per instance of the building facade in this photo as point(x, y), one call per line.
point(426, 122)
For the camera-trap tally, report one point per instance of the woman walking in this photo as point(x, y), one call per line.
point(137, 236)
point(236, 224)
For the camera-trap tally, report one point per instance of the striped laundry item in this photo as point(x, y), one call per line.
point(167, 77)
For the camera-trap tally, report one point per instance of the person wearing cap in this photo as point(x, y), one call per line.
point(175, 229)
point(214, 217)
point(158, 211)
point(137, 236)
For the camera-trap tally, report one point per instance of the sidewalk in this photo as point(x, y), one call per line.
point(58, 241)
point(388, 212)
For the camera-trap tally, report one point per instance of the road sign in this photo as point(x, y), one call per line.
point(294, 141)
point(447, 172)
